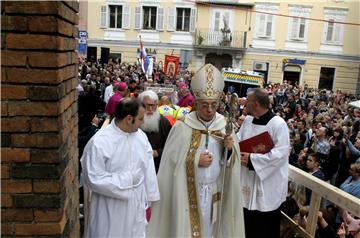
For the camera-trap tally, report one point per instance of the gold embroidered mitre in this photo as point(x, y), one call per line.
point(208, 83)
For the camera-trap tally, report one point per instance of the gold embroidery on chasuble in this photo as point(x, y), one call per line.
point(191, 186)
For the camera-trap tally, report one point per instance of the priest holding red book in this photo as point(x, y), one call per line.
point(264, 174)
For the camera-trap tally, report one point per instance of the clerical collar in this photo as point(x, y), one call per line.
point(264, 119)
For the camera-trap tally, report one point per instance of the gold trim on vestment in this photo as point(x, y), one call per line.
point(216, 197)
point(191, 186)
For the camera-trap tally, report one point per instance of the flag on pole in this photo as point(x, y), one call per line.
point(144, 58)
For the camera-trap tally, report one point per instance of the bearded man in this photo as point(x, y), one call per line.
point(155, 126)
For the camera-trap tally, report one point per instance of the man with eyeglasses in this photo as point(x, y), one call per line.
point(191, 171)
point(155, 126)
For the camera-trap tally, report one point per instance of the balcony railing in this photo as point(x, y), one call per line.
point(208, 37)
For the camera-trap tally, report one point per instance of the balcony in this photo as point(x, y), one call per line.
point(215, 39)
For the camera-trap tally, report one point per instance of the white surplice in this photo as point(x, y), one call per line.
point(265, 188)
point(118, 168)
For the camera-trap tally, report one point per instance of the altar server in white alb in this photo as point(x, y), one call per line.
point(118, 168)
point(264, 177)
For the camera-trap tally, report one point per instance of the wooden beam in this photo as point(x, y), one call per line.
point(343, 199)
point(313, 213)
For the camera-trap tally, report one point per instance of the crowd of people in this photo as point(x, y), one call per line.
point(183, 131)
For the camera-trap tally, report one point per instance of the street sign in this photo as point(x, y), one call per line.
point(82, 41)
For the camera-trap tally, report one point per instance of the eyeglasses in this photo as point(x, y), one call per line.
point(213, 106)
point(150, 106)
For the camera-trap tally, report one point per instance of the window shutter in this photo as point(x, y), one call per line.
point(337, 31)
point(294, 28)
point(302, 25)
point(217, 21)
point(269, 23)
point(260, 28)
point(137, 18)
point(103, 16)
point(326, 25)
point(160, 19)
point(192, 19)
point(126, 17)
point(171, 19)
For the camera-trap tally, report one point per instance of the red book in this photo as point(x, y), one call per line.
point(261, 144)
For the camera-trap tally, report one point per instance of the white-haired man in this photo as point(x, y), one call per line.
point(155, 126)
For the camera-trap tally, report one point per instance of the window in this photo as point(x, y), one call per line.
point(182, 19)
point(115, 16)
point(149, 18)
point(333, 31)
point(265, 21)
point(326, 80)
point(264, 25)
point(298, 22)
point(298, 29)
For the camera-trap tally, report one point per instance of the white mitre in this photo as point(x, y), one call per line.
point(208, 83)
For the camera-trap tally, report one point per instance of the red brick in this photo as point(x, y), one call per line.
point(44, 59)
point(16, 215)
point(30, 41)
point(42, 140)
point(13, 23)
point(4, 109)
point(15, 155)
point(23, 75)
point(46, 156)
point(50, 24)
point(46, 186)
point(39, 76)
point(17, 124)
point(48, 215)
point(68, 14)
point(3, 74)
point(48, 140)
point(45, 125)
point(73, 5)
point(6, 200)
point(13, 58)
point(33, 109)
point(23, 140)
point(48, 228)
point(13, 92)
point(65, 43)
point(5, 171)
point(7, 228)
point(16, 186)
point(32, 7)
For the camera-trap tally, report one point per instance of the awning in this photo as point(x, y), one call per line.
point(355, 104)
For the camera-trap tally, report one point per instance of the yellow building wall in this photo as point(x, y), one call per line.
point(346, 72)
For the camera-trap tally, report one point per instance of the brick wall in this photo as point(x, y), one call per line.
point(39, 160)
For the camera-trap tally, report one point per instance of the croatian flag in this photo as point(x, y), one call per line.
point(144, 58)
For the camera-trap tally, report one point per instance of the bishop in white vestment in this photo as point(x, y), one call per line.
point(190, 176)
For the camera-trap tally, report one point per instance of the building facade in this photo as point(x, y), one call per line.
point(314, 43)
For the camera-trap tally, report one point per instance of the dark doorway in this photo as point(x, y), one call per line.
point(326, 80)
point(219, 61)
point(292, 74)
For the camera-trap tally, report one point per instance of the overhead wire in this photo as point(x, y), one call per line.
point(274, 14)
